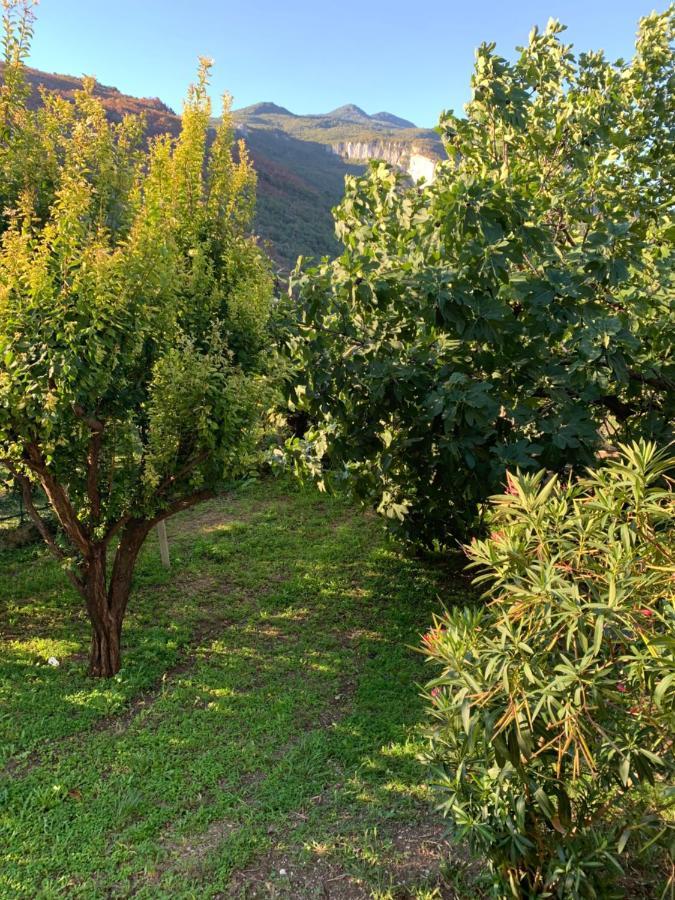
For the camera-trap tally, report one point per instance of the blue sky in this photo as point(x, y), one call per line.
point(412, 58)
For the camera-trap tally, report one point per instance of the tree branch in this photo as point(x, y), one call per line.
point(182, 472)
point(659, 384)
point(132, 538)
point(59, 500)
point(93, 493)
point(96, 427)
point(41, 525)
point(622, 411)
point(183, 503)
point(114, 528)
point(93, 423)
point(174, 507)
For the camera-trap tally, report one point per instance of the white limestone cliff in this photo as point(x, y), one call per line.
point(422, 167)
point(402, 155)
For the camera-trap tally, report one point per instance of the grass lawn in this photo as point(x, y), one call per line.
point(260, 740)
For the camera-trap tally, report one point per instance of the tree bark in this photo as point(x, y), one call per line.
point(132, 537)
point(107, 600)
point(104, 654)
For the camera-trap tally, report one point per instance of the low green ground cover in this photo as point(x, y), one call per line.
point(260, 739)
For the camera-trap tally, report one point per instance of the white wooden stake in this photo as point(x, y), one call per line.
point(163, 544)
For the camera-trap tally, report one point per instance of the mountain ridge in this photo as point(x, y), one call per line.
point(160, 116)
point(346, 123)
point(349, 113)
point(301, 161)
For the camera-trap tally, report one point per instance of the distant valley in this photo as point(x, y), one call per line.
point(301, 160)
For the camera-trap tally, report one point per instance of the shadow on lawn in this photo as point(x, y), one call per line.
point(264, 707)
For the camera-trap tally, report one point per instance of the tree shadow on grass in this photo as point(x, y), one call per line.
point(289, 705)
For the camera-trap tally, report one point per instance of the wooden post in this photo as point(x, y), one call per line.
point(163, 544)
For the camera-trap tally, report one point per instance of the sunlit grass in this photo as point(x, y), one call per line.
point(267, 703)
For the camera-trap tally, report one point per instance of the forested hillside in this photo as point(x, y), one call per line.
point(298, 185)
point(301, 161)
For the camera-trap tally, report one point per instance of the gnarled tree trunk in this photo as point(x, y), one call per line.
point(107, 599)
point(104, 655)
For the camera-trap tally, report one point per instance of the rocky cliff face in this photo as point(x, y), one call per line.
point(422, 166)
point(354, 136)
point(405, 156)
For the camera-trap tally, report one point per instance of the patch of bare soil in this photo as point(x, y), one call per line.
point(187, 853)
point(412, 856)
point(418, 856)
point(424, 852)
point(333, 713)
point(280, 876)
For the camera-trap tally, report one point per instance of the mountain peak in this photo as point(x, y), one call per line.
point(391, 119)
point(266, 108)
point(350, 112)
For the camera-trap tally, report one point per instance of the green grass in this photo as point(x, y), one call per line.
point(260, 739)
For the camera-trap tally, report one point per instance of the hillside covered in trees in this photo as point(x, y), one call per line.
point(301, 161)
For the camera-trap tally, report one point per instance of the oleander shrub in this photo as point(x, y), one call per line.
point(552, 713)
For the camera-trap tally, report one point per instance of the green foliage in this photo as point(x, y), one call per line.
point(516, 311)
point(553, 716)
point(133, 305)
point(133, 315)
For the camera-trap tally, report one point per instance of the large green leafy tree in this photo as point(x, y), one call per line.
point(133, 309)
point(517, 311)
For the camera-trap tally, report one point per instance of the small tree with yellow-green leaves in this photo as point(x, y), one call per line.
point(133, 310)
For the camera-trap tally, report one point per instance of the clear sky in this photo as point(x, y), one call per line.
point(412, 58)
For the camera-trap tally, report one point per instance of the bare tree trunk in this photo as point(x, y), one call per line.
point(107, 600)
point(104, 655)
